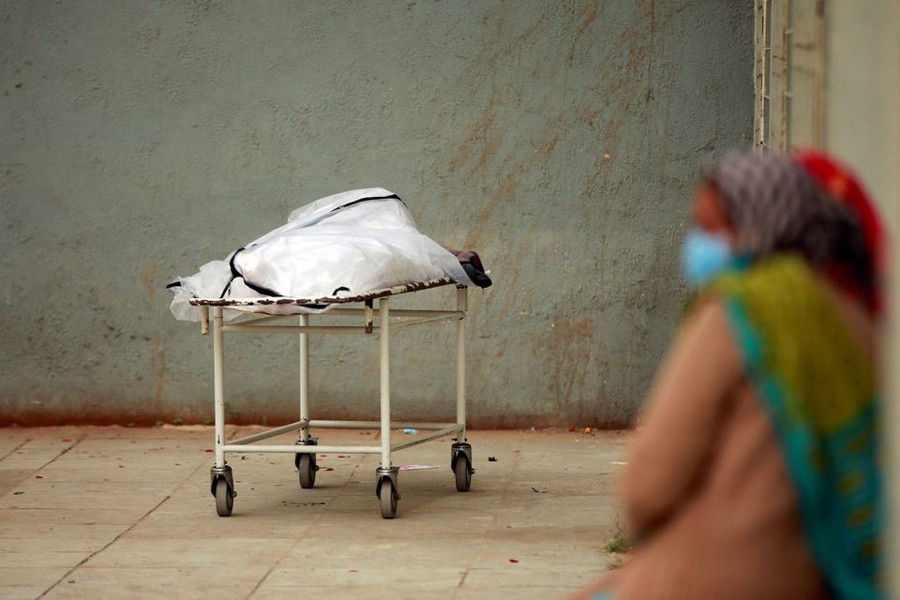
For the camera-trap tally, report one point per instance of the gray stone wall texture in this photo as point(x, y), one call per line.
point(142, 138)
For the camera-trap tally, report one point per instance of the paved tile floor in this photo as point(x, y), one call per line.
point(108, 512)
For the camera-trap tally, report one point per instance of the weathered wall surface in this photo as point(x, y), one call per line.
point(142, 138)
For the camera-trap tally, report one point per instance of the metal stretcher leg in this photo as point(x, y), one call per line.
point(221, 477)
point(461, 450)
point(386, 488)
point(304, 381)
point(305, 462)
point(462, 302)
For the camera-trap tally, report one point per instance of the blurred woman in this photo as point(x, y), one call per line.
point(755, 474)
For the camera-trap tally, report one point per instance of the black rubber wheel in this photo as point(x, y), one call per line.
point(463, 472)
point(307, 471)
point(388, 497)
point(224, 498)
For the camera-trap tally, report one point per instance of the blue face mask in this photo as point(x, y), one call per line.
point(703, 256)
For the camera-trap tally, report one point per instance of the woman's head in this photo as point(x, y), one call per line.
point(768, 203)
point(774, 206)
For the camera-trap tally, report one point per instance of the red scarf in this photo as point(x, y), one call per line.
point(841, 184)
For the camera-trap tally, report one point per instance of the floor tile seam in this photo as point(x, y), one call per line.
point(105, 546)
point(55, 457)
point(462, 581)
point(302, 537)
point(32, 470)
point(16, 449)
point(517, 463)
point(125, 531)
point(195, 472)
point(320, 516)
point(486, 530)
point(287, 552)
point(62, 452)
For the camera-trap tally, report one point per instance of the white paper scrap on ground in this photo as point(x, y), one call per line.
point(618, 462)
point(416, 467)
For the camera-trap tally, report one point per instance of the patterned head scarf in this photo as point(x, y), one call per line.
point(776, 206)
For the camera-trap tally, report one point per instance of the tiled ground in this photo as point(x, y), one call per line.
point(120, 512)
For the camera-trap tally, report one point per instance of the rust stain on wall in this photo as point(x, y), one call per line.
point(488, 152)
point(512, 290)
point(158, 362)
point(148, 274)
point(505, 193)
point(568, 352)
point(475, 136)
point(546, 145)
point(588, 17)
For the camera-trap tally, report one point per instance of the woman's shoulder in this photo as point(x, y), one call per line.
point(706, 339)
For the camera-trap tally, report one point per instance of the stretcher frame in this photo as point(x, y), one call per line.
point(376, 320)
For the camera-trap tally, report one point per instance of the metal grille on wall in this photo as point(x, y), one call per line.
point(789, 73)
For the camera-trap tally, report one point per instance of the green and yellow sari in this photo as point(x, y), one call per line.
point(819, 390)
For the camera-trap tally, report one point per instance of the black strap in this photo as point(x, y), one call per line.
point(235, 274)
point(259, 289)
point(367, 198)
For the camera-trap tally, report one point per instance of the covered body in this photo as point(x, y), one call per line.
point(345, 244)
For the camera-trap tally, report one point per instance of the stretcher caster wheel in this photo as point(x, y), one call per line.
point(306, 466)
point(463, 471)
point(461, 463)
point(224, 498)
point(388, 497)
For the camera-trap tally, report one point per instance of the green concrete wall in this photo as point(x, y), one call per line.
point(142, 138)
